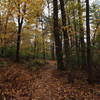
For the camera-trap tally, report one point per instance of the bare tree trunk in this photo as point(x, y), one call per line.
point(82, 43)
point(18, 39)
point(58, 43)
point(53, 51)
point(65, 33)
point(76, 38)
point(43, 37)
point(89, 59)
point(20, 23)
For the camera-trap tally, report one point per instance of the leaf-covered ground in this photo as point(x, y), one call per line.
point(17, 82)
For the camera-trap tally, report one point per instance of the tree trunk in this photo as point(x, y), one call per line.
point(89, 59)
point(20, 23)
point(82, 43)
point(53, 51)
point(76, 38)
point(58, 43)
point(44, 53)
point(18, 41)
point(65, 33)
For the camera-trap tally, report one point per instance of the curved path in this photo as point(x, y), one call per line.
point(47, 85)
point(20, 83)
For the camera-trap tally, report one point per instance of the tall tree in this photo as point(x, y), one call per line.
point(65, 33)
point(20, 23)
point(76, 30)
point(25, 11)
point(81, 31)
point(58, 43)
point(89, 60)
point(7, 14)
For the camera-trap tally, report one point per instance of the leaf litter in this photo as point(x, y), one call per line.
point(17, 82)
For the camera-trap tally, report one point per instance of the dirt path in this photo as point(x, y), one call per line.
point(48, 87)
point(19, 83)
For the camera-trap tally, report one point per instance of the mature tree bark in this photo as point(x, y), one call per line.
point(52, 36)
point(76, 38)
point(58, 43)
point(53, 51)
point(43, 37)
point(3, 40)
point(20, 24)
point(89, 59)
point(18, 38)
point(65, 33)
point(1, 31)
point(81, 31)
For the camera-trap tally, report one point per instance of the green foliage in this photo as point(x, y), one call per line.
point(96, 58)
point(25, 54)
point(98, 41)
point(35, 64)
point(73, 61)
point(3, 64)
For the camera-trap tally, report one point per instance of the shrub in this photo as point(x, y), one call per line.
point(3, 64)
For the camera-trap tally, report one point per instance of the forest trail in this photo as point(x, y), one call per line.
point(20, 83)
point(48, 86)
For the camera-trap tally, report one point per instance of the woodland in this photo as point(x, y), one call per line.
point(49, 49)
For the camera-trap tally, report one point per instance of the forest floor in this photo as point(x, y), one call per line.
point(18, 82)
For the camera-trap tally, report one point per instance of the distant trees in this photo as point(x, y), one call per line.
point(76, 42)
point(6, 13)
point(23, 12)
point(24, 8)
